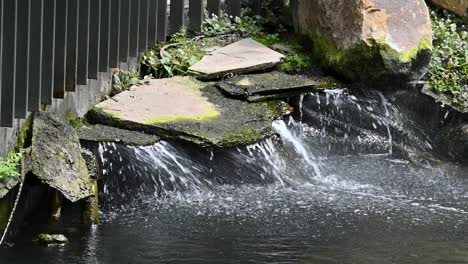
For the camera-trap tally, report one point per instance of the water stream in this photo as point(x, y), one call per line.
point(352, 180)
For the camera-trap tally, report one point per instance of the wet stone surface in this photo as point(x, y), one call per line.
point(196, 112)
point(100, 133)
point(244, 56)
point(272, 85)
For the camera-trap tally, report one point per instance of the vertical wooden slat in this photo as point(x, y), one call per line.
point(213, 7)
point(143, 26)
point(134, 25)
point(94, 27)
point(83, 39)
point(104, 34)
point(35, 55)
point(47, 52)
point(256, 6)
point(114, 33)
point(195, 15)
point(152, 22)
point(8, 58)
point(176, 17)
point(72, 45)
point(233, 7)
point(22, 40)
point(60, 48)
point(162, 20)
point(124, 29)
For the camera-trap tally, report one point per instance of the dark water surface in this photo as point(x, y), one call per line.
point(359, 185)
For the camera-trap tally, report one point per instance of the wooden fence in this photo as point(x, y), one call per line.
point(48, 47)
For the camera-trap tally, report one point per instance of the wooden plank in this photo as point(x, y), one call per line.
point(47, 52)
point(213, 7)
point(134, 25)
point(143, 26)
point(83, 38)
point(94, 27)
point(233, 7)
point(114, 33)
point(21, 73)
point(124, 34)
point(162, 20)
point(8, 58)
point(104, 35)
point(72, 45)
point(196, 11)
point(152, 22)
point(35, 55)
point(256, 6)
point(177, 16)
point(60, 48)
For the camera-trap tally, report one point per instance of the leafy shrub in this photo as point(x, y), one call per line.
point(9, 165)
point(449, 68)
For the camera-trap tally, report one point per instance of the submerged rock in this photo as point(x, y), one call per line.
point(272, 85)
point(56, 157)
point(453, 140)
point(243, 56)
point(185, 109)
point(368, 39)
point(100, 133)
point(458, 7)
point(51, 240)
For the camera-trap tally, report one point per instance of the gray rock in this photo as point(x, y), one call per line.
point(50, 240)
point(56, 157)
point(272, 85)
point(453, 140)
point(185, 109)
point(243, 56)
point(100, 133)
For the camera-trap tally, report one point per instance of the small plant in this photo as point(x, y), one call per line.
point(122, 80)
point(294, 63)
point(73, 120)
point(244, 26)
point(9, 165)
point(449, 68)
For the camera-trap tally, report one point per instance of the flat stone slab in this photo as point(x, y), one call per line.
point(185, 109)
point(100, 133)
point(272, 85)
point(243, 56)
point(56, 157)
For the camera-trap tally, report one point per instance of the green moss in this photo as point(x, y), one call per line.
point(73, 120)
point(370, 59)
point(61, 155)
point(241, 136)
point(90, 213)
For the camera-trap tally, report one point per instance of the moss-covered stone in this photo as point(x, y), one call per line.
point(233, 126)
point(100, 133)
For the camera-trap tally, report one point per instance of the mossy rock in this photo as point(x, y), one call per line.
point(217, 121)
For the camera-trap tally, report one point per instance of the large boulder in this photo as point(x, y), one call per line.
point(56, 157)
point(458, 7)
point(367, 39)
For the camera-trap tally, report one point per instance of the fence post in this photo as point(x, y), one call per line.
point(60, 48)
point(7, 104)
point(35, 55)
point(47, 52)
point(104, 36)
point(195, 15)
point(162, 20)
point(177, 16)
point(72, 45)
point(233, 7)
point(83, 39)
point(152, 22)
point(124, 34)
point(213, 7)
point(114, 33)
point(93, 47)
point(134, 23)
point(21, 63)
point(143, 26)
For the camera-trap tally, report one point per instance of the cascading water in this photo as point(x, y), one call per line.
point(353, 180)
